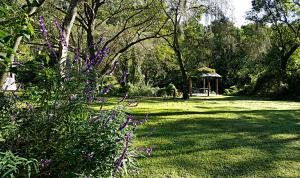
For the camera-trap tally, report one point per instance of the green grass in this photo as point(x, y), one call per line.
point(220, 137)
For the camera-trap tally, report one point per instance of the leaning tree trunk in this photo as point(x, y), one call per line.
point(66, 30)
point(176, 47)
point(285, 58)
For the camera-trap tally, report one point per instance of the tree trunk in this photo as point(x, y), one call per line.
point(176, 47)
point(66, 30)
point(285, 58)
point(90, 43)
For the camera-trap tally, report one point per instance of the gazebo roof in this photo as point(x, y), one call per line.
point(213, 75)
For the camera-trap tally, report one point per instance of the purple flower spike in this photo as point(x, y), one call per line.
point(103, 54)
point(120, 160)
point(142, 121)
point(129, 118)
point(45, 34)
point(90, 99)
point(45, 163)
point(149, 150)
point(106, 89)
point(62, 36)
point(113, 68)
point(76, 57)
point(29, 106)
point(89, 156)
point(36, 48)
point(124, 77)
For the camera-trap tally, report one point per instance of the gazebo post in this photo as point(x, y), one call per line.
point(217, 86)
point(208, 86)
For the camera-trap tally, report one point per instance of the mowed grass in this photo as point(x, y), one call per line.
point(219, 137)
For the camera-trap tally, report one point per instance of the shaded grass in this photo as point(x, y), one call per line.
point(220, 137)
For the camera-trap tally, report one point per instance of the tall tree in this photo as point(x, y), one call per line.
point(284, 17)
point(178, 12)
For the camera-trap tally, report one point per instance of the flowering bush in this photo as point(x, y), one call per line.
point(52, 121)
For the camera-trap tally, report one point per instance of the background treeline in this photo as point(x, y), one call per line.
point(158, 47)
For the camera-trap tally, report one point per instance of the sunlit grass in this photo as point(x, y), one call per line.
point(220, 137)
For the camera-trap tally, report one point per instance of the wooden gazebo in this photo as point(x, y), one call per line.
point(206, 74)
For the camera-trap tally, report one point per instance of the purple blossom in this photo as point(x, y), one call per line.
point(106, 89)
point(62, 36)
point(129, 118)
point(29, 106)
point(93, 62)
point(36, 48)
point(90, 99)
point(45, 163)
point(124, 77)
point(139, 122)
point(149, 150)
point(113, 68)
point(89, 156)
point(120, 160)
point(103, 54)
point(45, 34)
point(76, 57)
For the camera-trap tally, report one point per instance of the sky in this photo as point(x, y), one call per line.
point(240, 9)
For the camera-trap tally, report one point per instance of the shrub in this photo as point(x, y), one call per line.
point(15, 166)
point(171, 89)
point(53, 121)
point(144, 90)
point(60, 129)
point(231, 91)
point(162, 92)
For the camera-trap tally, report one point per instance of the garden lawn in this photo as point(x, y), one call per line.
point(219, 137)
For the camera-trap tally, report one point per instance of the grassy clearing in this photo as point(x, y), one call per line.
point(220, 137)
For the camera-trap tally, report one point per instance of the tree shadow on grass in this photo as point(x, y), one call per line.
point(266, 113)
point(212, 98)
point(270, 134)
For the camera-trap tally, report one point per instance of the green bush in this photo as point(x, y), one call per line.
point(231, 91)
point(144, 90)
point(15, 166)
point(162, 92)
point(167, 91)
point(170, 89)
